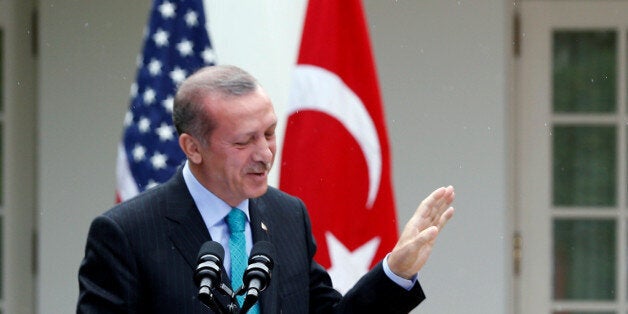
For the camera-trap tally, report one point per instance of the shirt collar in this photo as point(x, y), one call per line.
point(212, 208)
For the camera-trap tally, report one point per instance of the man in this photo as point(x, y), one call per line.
point(141, 255)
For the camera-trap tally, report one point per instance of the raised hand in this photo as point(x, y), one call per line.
point(417, 239)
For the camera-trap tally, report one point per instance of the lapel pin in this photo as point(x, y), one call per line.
point(264, 227)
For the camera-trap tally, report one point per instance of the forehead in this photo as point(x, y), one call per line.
point(254, 110)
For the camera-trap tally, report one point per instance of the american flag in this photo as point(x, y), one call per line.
point(176, 43)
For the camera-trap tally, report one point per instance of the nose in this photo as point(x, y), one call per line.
point(265, 151)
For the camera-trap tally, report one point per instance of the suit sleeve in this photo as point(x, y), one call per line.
point(373, 293)
point(108, 274)
point(376, 293)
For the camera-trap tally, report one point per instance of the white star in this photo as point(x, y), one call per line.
point(133, 90)
point(144, 125)
point(149, 96)
point(168, 103)
point(185, 47)
point(154, 67)
point(139, 152)
point(151, 184)
point(167, 9)
point(165, 132)
point(191, 18)
point(177, 75)
point(208, 55)
point(158, 160)
point(348, 267)
point(161, 38)
point(128, 118)
point(145, 32)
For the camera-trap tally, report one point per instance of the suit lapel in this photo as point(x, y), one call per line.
point(188, 232)
point(187, 229)
point(259, 220)
point(261, 228)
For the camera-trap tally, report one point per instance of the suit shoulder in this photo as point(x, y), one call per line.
point(140, 206)
point(274, 195)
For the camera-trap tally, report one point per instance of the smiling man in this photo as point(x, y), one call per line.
point(141, 255)
point(231, 158)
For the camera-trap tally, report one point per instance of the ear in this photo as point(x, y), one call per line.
point(191, 148)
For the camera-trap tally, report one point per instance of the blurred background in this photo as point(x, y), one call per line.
point(520, 105)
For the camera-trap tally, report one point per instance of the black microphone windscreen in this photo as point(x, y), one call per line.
point(211, 248)
point(263, 248)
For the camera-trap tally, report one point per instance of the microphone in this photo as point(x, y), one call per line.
point(207, 272)
point(257, 274)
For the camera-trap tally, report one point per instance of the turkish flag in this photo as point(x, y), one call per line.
point(336, 154)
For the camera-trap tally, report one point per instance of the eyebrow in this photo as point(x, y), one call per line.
point(253, 133)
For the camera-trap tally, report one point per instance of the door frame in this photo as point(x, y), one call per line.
point(533, 133)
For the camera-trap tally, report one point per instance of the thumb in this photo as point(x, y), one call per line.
point(428, 235)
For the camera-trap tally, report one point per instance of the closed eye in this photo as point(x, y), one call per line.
point(243, 143)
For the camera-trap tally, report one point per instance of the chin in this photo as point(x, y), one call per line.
point(259, 192)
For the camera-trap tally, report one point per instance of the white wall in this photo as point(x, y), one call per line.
point(442, 67)
point(266, 46)
point(19, 93)
point(87, 65)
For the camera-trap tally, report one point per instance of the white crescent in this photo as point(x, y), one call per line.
point(315, 88)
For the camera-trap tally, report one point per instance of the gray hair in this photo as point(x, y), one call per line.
point(188, 115)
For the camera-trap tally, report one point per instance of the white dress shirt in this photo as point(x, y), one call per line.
point(214, 210)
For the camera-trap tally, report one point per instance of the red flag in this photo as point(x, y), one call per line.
point(336, 153)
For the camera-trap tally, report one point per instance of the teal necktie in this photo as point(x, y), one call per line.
point(237, 247)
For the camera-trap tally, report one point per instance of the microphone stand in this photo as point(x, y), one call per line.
point(207, 298)
point(256, 278)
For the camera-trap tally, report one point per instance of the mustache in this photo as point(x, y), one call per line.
point(260, 167)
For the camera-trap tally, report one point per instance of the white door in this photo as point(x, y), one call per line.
point(571, 157)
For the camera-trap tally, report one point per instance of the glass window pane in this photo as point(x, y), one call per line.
point(584, 64)
point(584, 166)
point(584, 259)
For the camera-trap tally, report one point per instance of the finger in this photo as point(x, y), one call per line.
point(445, 217)
point(432, 202)
point(450, 194)
point(444, 197)
point(446, 204)
point(437, 204)
point(426, 236)
point(445, 201)
point(424, 244)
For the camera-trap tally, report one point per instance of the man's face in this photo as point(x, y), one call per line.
point(241, 148)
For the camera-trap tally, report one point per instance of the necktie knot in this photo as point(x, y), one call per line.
point(236, 219)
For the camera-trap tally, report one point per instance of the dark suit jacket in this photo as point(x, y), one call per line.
point(141, 255)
